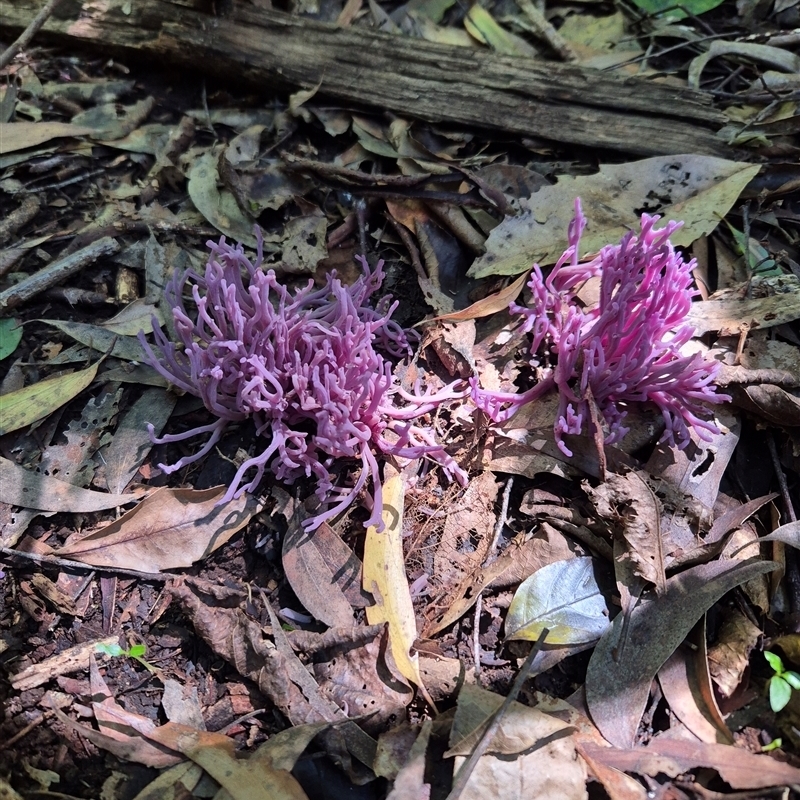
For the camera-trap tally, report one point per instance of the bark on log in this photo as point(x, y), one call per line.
point(412, 77)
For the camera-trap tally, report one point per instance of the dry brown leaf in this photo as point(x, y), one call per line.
point(737, 767)
point(22, 487)
point(729, 316)
point(489, 305)
point(467, 532)
point(130, 749)
point(627, 501)
point(531, 755)
point(19, 135)
point(123, 726)
point(243, 779)
point(677, 679)
point(172, 528)
point(131, 442)
point(618, 785)
point(409, 783)
point(311, 579)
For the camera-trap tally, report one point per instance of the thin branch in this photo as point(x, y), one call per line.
point(460, 780)
point(25, 37)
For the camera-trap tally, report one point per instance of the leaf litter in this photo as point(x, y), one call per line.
point(332, 647)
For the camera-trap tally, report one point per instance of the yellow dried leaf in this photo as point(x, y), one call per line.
point(385, 577)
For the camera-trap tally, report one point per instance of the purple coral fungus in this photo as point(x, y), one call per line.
point(305, 367)
point(626, 349)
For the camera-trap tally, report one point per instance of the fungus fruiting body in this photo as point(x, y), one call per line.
point(309, 368)
point(625, 349)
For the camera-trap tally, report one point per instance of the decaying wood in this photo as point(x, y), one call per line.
point(465, 86)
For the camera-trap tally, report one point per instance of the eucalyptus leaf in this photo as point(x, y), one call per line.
point(101, 339)
point(699, 190)
point(621, 669)
point(10, 336)
point(563, 597)
point(32, 403)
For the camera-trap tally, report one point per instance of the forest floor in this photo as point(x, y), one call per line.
point(541, 606)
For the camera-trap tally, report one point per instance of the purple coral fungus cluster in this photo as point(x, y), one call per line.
point(624, 350)
point(306, 367)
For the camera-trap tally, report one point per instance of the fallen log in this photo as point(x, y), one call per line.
point(471, 87)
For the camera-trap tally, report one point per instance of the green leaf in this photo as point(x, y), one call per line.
point(10, 336)
point(109, 649)
point(792, 678)
point(775, 662)
point(137, 651)
point(779, 693)
point(656, 7)
point(563, 597)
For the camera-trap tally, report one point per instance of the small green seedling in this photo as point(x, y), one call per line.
point(781, 683)
point(135, 652)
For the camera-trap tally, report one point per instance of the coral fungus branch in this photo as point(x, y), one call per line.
point(306, 367)
point(626, 349)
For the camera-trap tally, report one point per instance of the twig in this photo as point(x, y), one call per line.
point(784, 487)
point(546, 31)
point(476, 635)
point(413, 252)
point(19, 217)
point(501, 522)
point(25, 37)
point(25, 731)
point(56, 272)
point(460, 780)
point(790, 556)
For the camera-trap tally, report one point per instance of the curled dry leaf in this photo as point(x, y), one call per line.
point(788, 534)
point(627, 500)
